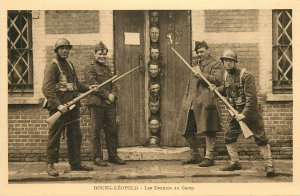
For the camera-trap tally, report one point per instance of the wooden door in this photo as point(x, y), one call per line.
point(175, 73)
point(131, 103)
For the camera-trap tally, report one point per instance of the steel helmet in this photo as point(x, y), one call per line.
point(61, 42)
point(229, 54)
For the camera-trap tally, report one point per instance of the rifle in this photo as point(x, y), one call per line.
point(71, 104)
point(233, 112)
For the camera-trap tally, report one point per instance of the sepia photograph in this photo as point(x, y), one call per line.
point(149, 99)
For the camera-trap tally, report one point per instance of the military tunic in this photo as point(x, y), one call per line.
point(202, 100)
point(103, 113)
point(240, 90)
point(61, 85)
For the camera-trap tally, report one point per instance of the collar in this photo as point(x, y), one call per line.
point(206, 61)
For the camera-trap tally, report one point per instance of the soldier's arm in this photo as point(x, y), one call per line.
point(48, 87)
point(90, 77)
point(250, 94)
point(215, 76)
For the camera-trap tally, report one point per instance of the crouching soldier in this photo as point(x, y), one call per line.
point(239, 88)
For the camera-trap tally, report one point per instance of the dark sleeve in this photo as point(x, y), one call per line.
point(250, 94)
point(48, 87)
point(91, 78)
point(114, 89)
point(215, 75)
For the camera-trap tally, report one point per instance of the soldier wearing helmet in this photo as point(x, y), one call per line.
point(60, 85)
point(103, 107)
point(199, 112)
point(239, 88)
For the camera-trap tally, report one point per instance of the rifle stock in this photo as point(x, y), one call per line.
point(52, 119)
point(246, 131)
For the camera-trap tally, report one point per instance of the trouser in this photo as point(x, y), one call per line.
point(104, 118)
point(231, 134)
point(233, 130)
point(191, 139)
point(70, 122)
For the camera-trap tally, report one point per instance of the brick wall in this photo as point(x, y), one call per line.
point(231, 20)
point(72, 22)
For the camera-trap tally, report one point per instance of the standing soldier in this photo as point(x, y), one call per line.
point(239, 88)
point(103, 108)
point(199, 112)
point(60, 86)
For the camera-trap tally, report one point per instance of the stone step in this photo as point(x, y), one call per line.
point(140, 153)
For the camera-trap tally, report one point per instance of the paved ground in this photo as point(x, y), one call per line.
point(150, 172)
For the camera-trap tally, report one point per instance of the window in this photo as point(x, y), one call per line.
point(282, 52)
point(19, 40)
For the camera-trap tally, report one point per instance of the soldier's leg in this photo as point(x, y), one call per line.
point(192, 140)
point(74, 140)
point(231, 134)
point(111, 136)
point(210, 144)
point(74, 137)
point(96, 126)
point(53, 145)
point(264, 148)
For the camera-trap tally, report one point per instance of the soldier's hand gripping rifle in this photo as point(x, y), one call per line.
point(71, 104)
point(245, 129)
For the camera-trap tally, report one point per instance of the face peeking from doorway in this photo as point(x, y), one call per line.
point(154, 34)
point(154, 88)
point(154, 70)
point(154, 107)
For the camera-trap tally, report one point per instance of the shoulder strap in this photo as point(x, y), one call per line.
point(225, 76)
point(71, 66)
point(56, 62)
point(241, 74)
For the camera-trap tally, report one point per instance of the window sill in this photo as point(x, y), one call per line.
point(279, 97)
point(25, 100)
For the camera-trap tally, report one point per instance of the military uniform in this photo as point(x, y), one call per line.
point(240, 91)
point(60, 86)
point(103, 113)
point(199, 111)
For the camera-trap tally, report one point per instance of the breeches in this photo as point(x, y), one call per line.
point(233, 130)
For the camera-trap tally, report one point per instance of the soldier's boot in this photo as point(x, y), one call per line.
point(234, 163)
point(112, 148)
point(209, 157)
point(195, 156)
point(51, 170)
point(81, 167)
point(265, 151)
point(99, 162)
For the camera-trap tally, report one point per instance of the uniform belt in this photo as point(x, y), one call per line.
point(66, 87)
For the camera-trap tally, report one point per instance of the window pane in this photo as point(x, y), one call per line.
point(282, 51)
point(19, 51)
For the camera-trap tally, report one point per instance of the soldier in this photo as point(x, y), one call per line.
point(239, 88)
point(103, 108)
point(199, 112)
point(60, 86)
